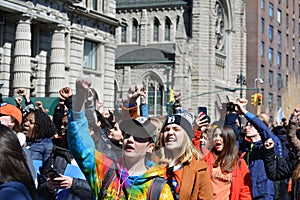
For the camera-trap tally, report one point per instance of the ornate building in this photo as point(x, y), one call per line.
point(47, 44)
point(195, 47)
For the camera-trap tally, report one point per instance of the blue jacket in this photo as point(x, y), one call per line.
point(40, 149)
point(262, 187)
point(14, 191)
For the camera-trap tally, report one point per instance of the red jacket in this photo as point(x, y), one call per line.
point(241, 182)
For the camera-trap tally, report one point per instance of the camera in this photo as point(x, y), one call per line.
point(230, 107)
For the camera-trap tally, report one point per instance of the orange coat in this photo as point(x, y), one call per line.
point(196, 184)
point(241, 182)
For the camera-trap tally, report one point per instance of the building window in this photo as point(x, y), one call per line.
point(293, 25)
point(271, 10)
point(262, 4)
point(279, 101)
point(262, 25)
point(156, 30)
point(155, 96)
point(262, 48)
point(270, 100)
point(286, 81)
point(287, 40)
point(270, 78)
point(90, 55)
point(134, 30)
point(95, 4)
point(293, 6)
point(270, 32)
point(167, 29)
point(287, 3)
point(123, 34)
point(287, 60)
point(270, 55)
point(279, 58)
point(279, 81)
point(293, 64)
point(287, 21)
point(279, 37)
point(262, 72)
point(279, 16)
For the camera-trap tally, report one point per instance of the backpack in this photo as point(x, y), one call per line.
point(155, 188)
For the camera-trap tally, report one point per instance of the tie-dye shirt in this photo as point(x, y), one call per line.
point(95, 165)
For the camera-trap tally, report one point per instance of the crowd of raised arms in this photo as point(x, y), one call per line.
point(123, 153)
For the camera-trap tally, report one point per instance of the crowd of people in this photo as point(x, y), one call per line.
point(81, 153)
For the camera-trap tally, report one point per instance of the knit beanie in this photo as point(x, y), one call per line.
point(185, 120)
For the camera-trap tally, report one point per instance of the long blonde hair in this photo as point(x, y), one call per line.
point(188, 151)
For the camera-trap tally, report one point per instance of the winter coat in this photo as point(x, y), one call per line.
point(14, 191)
point(40, 149)
point(59, 159)
point(241, 183)
point(196, 181)
point(278, 168)
point(95, 165)
point(262, 187)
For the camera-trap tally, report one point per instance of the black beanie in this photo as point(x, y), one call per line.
point(185, 121)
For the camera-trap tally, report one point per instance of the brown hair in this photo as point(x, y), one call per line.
point(227, 158)
point(13, 165)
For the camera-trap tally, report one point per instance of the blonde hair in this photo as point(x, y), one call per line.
point(188, 151)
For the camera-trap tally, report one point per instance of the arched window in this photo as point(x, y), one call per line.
point(156, 30)
point(134, 30)
point(123, 33)
point(155, 91)
point(167, 29)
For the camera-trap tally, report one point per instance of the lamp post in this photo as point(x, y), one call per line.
point(240, 79)
point(261, 81)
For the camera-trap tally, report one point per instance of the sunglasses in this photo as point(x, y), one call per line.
point(138, 139)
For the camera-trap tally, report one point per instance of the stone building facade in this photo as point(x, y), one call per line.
point(46, 45)
point(195, 47)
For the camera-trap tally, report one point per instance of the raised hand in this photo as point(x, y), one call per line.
point(202, 121)
point(135, 92)
point(65, 93)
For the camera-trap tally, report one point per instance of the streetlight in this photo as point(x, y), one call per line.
point(261, 81)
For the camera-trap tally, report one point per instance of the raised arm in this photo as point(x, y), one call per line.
point(292, 129)
point(92, 163)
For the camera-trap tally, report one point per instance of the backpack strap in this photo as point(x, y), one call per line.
point(107, 180)
point(155, 188)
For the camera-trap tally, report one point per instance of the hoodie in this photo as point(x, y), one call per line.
point(95, 165)
point(14, 191)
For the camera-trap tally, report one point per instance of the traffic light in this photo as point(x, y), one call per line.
point(259, 99)
point(254, 99)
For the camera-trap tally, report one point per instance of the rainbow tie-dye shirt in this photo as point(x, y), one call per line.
point(95, 165)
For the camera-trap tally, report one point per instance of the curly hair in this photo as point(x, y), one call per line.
point(13, 165)
point(44, 126)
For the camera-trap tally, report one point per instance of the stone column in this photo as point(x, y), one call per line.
point(5, 68)
point(109, 76)
point(57, 62)
point(22, 66)
point(143, 28)
point(76, 55)
point(41, 74)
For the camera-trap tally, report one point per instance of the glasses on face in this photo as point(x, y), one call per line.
point(137, 139)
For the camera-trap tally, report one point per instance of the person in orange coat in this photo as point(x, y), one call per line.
point(187, 174)
point(230, 176)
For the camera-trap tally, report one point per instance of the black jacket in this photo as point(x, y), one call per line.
point(60, 158)
point(278, 168)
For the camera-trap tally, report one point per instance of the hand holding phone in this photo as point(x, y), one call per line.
point(52, 173)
